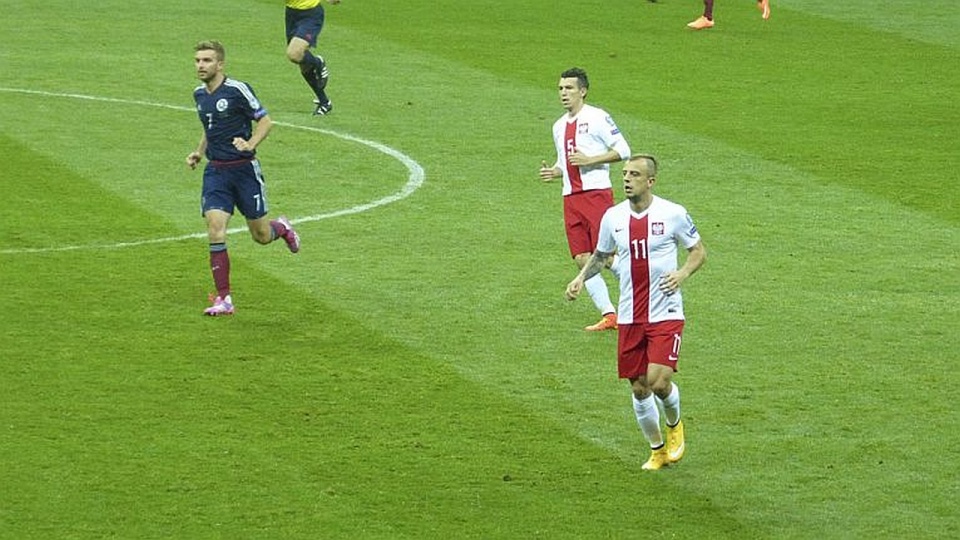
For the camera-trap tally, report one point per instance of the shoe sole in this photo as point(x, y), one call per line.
point(663, 466)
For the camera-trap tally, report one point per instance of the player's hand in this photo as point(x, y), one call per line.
point(243, 145)
point(547, 173)
point(578, 158)
point(574, 288)
point(193, 159)
point(670, 282)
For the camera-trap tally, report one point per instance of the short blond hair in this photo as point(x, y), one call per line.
point(211, 45)
point(650, 161)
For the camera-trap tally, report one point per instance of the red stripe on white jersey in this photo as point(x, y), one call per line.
point(640, 268)
point(569, 145)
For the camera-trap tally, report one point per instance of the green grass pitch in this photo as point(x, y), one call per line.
point(415, 372)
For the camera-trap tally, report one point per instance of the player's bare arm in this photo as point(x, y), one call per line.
point(194, 158)
point(593, 267)
point(672, 281)
point(580, 159)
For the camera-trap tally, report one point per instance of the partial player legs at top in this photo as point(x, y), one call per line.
point(303, 29)
point(764, 7)
point(314, 71)
point(706, 20)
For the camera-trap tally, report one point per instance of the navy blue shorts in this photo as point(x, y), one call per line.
point(234, 185)
point(305, 24)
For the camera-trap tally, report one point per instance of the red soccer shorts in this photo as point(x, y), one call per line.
point(642, 344)
point(582, 213)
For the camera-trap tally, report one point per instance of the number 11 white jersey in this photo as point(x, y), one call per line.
point(646, 248)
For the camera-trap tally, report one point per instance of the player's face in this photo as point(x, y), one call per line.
point(207, 64)
point(571, 94)
point(636, 179)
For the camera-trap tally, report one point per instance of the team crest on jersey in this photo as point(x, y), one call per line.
point(583, 128)
point(222, 104)
point(657, 228)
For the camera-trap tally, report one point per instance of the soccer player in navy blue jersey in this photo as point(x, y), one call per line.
point(304, 21)
point(232, 178)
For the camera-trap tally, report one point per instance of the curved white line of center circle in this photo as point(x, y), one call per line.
point(414, 180)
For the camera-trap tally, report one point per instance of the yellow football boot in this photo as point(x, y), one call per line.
point(658, 459)
point(675, 442)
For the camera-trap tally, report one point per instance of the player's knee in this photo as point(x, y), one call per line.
point(640, 389)
point(295, 54)
point(216, 232)
point(661, 387)
point(262, 237)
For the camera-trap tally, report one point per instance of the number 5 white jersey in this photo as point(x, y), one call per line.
point(646, 248)
point(593, 132)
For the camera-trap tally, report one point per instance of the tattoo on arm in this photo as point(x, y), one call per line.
point(596, 263)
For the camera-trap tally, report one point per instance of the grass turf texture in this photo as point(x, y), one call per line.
point(414, 372)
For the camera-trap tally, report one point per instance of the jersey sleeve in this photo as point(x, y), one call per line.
point(686, 231)
point(558, 146)
point(613, 138)
point(606, 241)
point(251, 105)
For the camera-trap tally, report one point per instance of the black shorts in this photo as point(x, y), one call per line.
point(305, 24)
point(237, 185)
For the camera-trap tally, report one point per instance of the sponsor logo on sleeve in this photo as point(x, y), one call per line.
point(615, 130)
point(693, 228)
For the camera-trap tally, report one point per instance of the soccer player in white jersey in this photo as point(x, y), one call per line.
point(587, 141)
point(645, 232)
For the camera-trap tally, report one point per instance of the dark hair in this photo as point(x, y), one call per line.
point(579, 73)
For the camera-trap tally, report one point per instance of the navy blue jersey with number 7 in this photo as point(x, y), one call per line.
point(226, 113)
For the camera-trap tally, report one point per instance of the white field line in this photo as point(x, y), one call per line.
point(415, 179)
